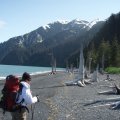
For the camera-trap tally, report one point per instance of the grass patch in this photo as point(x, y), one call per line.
point(113, 70)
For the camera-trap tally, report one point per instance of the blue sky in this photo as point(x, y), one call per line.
point(18, 17)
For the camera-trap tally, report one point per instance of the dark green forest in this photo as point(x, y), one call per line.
point(104, 48)
point(101, 46)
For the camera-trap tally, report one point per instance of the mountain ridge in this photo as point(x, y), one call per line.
point(43, 39)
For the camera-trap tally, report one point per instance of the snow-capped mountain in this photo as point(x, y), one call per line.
point(76, 23)
point(43, 39)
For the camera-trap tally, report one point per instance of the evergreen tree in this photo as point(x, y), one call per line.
point(104, 54)
point(115, 53)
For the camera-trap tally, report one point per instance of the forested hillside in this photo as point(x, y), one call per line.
point(62, 39)
point(104, 48)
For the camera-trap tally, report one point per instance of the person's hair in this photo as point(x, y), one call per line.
point(26, 76)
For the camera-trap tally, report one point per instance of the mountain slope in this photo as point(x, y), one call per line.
point(104, 48)
point(61, 38)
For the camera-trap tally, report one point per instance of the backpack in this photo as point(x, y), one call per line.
point(10, 94)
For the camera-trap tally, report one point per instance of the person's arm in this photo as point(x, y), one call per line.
point(28, 98)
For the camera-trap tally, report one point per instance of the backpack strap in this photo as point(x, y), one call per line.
point(17, 98)
point(19, 92)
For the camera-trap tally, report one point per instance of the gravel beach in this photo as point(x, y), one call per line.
point(60, 102)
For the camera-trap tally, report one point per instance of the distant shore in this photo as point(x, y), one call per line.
point(60, 102)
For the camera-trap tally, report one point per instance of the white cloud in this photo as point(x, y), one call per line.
point(2, 24)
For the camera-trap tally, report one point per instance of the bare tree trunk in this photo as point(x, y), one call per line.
point(81, 68)
point(52, 64)
point(55, 65)
point(67, 67)
point(90, 60)
point(71, 68)
point(95, 75)
point(103, 59)
point(77, 63)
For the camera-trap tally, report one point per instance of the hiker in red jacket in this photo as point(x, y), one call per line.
point(25, 99)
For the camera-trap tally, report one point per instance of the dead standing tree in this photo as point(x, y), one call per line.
point(80, 80)
point(89, 69)
point(95, 75)
point(80, 77)
point(102, 64)
point(81, 72)
point(53, 63)
point(67, 66)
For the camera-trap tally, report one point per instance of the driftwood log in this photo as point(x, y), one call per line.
point(115, 90)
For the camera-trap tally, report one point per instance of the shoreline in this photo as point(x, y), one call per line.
point(32, 74)
point(43, 109)
point(70, 102)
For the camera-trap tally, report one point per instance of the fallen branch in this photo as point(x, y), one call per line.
point(108, 80)
point(103, 101)
point(111, 99)
point(76, 83)
point(115, 90)
point(114, 105)
point(107, 86)
point(99, 106)
point(88, 82)
point(71, 83)
point(107, 92)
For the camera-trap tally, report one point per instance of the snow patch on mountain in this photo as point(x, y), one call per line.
point(78, 21)
point(39, 38)
point(46, 27)
point(83, 24)
point(92, 23)
point(61, 21)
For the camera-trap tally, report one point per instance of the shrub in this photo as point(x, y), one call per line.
point(113, 70)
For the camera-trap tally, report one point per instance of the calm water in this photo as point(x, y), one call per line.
point(18, 70)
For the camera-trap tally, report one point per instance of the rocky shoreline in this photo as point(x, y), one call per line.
point(60, 102)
